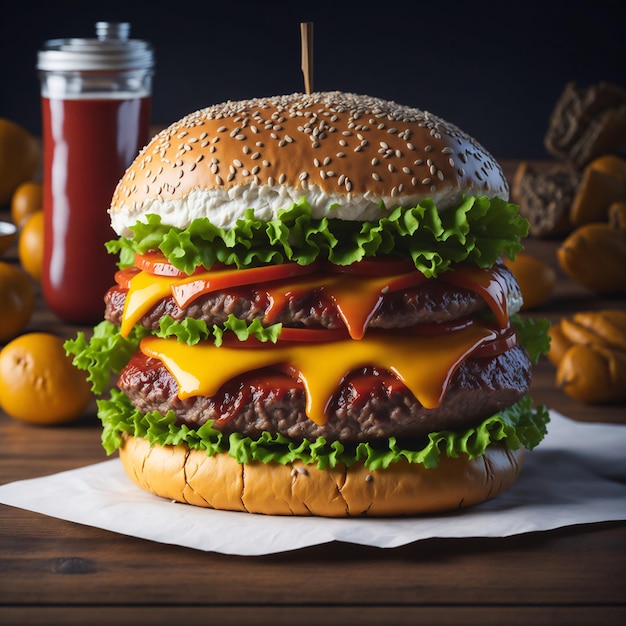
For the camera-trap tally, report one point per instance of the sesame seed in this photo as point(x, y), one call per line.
point(375, 176)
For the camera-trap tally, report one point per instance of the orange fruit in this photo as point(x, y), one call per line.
point(19, 157)
point(38, 383)
point(17, 300)
point(27, 199)
point(30, 245)
point(536, 279)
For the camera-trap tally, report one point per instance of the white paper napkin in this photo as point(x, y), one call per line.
point(576, 476)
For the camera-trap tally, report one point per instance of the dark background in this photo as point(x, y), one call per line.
point(494, 68)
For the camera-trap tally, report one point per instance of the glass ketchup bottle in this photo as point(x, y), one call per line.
point(96, 96)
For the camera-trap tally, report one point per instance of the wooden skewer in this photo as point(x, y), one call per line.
point(306, 33)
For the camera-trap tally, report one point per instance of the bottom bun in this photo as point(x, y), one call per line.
point(220, 482)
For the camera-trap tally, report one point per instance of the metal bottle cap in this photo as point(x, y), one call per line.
point(111, 50)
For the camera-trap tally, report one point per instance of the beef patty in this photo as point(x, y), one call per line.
point(431, 302)
point(370, 405)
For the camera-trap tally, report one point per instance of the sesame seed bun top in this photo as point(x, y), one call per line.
point(351, 156)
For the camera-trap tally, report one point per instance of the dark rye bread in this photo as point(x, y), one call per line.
point(587, 123)
point(545, 197)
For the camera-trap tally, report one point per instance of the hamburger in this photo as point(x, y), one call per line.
point(312, 315)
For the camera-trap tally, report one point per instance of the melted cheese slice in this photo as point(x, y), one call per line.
point(356, 298)
point(424, 364)
point(144, 292)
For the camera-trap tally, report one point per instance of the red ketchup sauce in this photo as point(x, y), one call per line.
point(88, 144)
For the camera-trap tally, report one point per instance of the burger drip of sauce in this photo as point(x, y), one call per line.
point(269, 387)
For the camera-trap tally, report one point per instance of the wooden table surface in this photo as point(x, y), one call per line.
point(57, 572)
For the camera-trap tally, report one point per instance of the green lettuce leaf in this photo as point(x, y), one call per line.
point(533, 335)
point(514, 426)
point(191, 331)
point(105, 353)
point(433, 240)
